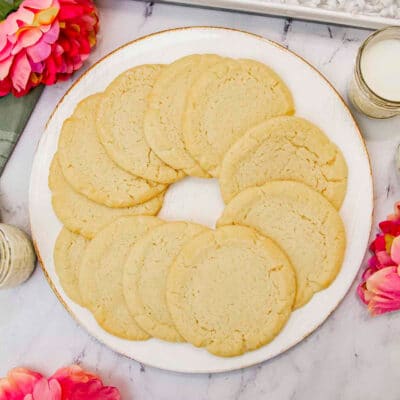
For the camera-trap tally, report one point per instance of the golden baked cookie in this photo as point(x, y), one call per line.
point(166, 105)
point(285, 148)
point(101, 275)
point(120, 125)
point(84, 216)
point(224, 102)
point(230, 290)
point(87, 167)
point(145, 276)
point(68, 253)
point(302, 222)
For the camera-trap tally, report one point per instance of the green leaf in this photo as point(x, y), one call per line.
point(7, 7)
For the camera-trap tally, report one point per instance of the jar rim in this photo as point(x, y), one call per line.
point(391, 103)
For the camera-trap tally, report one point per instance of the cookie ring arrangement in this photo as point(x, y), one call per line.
point(279, 241)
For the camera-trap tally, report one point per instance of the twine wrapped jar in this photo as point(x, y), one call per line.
point(17, 257)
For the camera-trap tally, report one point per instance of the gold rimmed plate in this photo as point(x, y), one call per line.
point(315, 100)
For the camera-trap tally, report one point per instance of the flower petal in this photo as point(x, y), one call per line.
point(381, 291)
point(47, 390)
point(78, 384)
point(75, 373)
point(5, 87)
point(379, 244)
point(6, 51)
point(20, 71)
point(396, 214)
point(53, 33)
point(18, 383)
point(37, 67)
point(40, 52)
point(49, 40)
point(392, 227)
point(46, 16)
point(5, 66)
point(93, 390)
point(395, 250)
point(19, 18)
point(38, 4)
point(27, 38)
point(384, 258)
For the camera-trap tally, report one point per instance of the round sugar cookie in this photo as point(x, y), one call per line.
point(285, 148)
point(87, 167)
point(120, 125)
point(145, 276)
point(101, 275)
point(84, 216)
point(166, 105)
point(302, 222)
point(68, 253)
point(224, 102)
point(230, 290)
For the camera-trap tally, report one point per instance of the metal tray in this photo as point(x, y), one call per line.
point(294, 11)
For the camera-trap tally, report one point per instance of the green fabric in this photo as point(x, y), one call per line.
point(14, 114)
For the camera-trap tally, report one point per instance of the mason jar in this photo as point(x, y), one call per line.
point(17, 257)
point(361, 95)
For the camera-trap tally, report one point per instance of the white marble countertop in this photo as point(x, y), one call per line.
point(352, 356)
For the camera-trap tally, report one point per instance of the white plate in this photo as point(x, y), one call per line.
point(199, 200)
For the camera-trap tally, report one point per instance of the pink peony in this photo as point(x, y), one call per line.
point(78, 384)
point(70, 383)
point(44, 41)
point(380, 284)
point(18, 383)
point(381, 291)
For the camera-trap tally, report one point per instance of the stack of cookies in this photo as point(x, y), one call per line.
point(279, 240)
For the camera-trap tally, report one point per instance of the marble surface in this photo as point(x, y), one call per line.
point(350, 357)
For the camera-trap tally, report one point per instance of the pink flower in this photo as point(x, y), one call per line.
point(395, 250)
point(381, 291)
point(45, 390)
point(43, 41)
point(78, 384)
point(380, 283)
point(18, 383)
point(70, 383)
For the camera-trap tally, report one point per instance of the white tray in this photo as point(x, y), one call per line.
point(199, 200)
point(294, 11)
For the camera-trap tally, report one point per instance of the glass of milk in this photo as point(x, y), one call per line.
point(375, 86)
